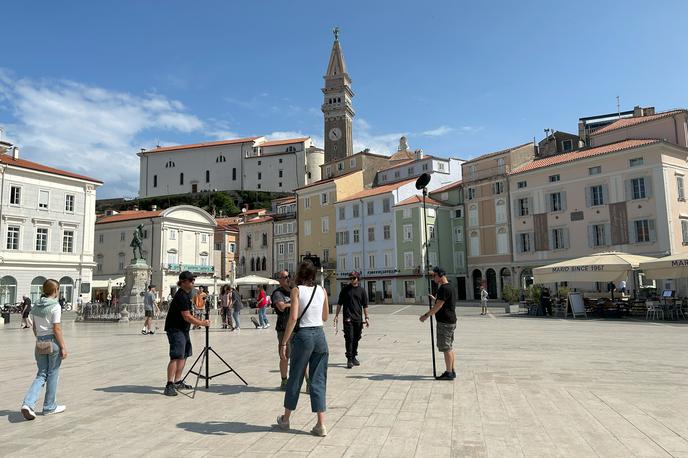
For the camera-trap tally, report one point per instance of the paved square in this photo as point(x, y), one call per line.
point(526, 387)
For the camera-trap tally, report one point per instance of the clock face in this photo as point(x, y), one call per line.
point(335, 134)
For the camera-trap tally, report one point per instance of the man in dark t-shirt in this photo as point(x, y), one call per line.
point(354, 300)
point(445, 314)
point(177, 324)
point(281, 301)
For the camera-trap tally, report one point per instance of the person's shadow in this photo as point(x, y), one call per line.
point(13, 416)
point(132, 389)
point(221, 428)
point(379, 377)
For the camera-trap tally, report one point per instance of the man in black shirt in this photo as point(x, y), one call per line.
point(177, 323)
point(355, 302)
point(444, 313)
point(281, 300)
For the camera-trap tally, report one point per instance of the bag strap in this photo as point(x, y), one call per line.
point(298, 322)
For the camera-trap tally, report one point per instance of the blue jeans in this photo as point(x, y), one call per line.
point(262, 316)
point(48, 375)
point(235, 316)
point(308, 348)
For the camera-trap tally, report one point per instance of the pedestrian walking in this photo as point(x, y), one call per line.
point(484, 296)
point(225, 307)
point(236, 306)
point(445, 315)
point(198, 297)
point(354, 300)
point(26, 311)
point(49, 352)
point(262, 305)
point(149, 310)
point(308, 311)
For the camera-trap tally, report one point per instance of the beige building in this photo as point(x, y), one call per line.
point(625, 196)
point(255, 239)
point(488, 226)
point(366, 161)
point(670, 126)
point(285, 236)
point(225, 250)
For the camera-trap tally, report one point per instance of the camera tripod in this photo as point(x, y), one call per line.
point(204, 357)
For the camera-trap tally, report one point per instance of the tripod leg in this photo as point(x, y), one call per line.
point(228, 366)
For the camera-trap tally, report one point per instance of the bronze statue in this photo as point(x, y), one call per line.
point(137, 242)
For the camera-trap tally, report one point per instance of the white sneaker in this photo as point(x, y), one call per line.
point(267, 325)
point(58, 409)
point(28, 412)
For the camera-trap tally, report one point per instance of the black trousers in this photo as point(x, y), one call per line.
point(352, 334)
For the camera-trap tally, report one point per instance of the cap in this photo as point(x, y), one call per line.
point(356, 274)
point(439, 271)
point(186, 275)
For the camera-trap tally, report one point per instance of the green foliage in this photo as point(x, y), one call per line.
point(563, 291)
point(534, 293)
point(511, 294)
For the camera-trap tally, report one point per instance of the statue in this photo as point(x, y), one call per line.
point(137, 242)
point(403, 144)
point(335, 31)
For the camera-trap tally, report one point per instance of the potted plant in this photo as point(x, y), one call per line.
point(511, 295)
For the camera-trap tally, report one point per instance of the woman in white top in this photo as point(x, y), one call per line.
point(46, 315)
point(309, 308)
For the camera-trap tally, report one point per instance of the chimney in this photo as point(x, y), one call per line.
point(648, 111)
point(637, 112)
point(15, 152)
point(419, 154)
point(154, 207)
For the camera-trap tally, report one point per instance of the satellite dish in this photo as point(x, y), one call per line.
point(423, 181)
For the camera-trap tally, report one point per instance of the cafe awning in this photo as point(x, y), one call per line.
point(254, 280)
point(599, 267)
point(669, 267)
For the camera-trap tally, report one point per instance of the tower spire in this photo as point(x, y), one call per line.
point(336, 66)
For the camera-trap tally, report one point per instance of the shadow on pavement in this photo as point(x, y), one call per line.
point(136, 389)
point(13, 416)
point(220, 428)
point(393, 377)
point(233, 389)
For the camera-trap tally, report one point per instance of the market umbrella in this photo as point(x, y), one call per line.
point(674, 266)
point(254, 280)
point(599, 267)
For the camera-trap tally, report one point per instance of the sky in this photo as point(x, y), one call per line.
point(85, 85)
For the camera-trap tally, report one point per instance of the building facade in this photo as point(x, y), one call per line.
point(366, 161)
point(337, 107)
point(225, 252)
point(46, 218)
point(256, 243)
point(176, 239)
point(285, 235)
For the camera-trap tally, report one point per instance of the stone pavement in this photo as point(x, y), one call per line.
point(526, 387)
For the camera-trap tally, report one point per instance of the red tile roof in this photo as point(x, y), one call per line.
point(161, 149)
point(286, 141)
point(626, 122)
point(24, 164)
point(255, 211)
point(448, 187)
point(583, 154)
point(128, 215)
point(377, 190)
point(327, 180)
point(262, 219)
point(418, 200)
point(285, 200)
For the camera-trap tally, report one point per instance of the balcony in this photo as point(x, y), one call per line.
point(193, 268)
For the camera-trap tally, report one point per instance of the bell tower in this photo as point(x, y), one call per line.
point(337, 108)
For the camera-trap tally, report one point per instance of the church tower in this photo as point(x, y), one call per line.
point(337, 108)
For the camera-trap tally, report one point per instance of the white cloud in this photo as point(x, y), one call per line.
point(438, 132)
point(91, 130)
point(377, 143)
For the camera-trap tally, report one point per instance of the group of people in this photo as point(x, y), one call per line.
point(230, 308)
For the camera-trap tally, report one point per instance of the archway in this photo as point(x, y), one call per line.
point(477, 278)
point(8, 290)
point(67, 289)
point(526, 278)
point(504, 278)
point(36, 288)
point(491, 276)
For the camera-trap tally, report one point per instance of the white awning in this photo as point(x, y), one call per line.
point(112, 282)
point(599, 267)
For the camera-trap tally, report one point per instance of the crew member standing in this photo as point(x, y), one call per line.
point(354, 300)
point(444, 313)
point(149, 308)
point(281, 301)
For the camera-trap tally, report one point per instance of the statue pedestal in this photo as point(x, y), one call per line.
point(135, 282)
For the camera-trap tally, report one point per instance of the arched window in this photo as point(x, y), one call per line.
point(500, 211)
point(253, 265)
point(221, 158)
point(473, 215)
point(502, 241)
point(339, 100)
point(181, 178)
point(291, 149)
point(169, 164)
point(474, 247)
point(155, 181)
point(67, 289)
point(8, 290)
point(264, 264)
point(36, 288)
point(243, 261)
point(207, 176)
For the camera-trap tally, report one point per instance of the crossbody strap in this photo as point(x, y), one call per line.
point(308, 305)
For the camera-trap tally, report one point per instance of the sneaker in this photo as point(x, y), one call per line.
point(349, 364)
point(283, 385)
point(267, 325)
point(319, 430)
point(284, 425)
point(169, 390)
point(180, 385)
point(143, 331)
point(58, 409)
point(445, 376)
point(28, 412)
point(453, 373)
point(355, 362)
point(150, 333)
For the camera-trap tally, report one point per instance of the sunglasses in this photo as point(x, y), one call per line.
point(353, 278)
point(285, 278)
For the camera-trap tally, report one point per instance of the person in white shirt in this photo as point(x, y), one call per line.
point(622, 286)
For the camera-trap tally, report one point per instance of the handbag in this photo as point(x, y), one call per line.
point(297, 326)
point(44, 347)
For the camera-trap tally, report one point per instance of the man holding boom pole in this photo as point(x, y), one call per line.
point(444, 313)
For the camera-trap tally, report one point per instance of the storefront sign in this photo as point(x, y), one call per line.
point(679, 263)
point(593, 268)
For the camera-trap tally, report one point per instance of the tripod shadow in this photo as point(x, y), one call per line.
point(379, 377)
point(134, 389)
point(221, 428)
point(13, 416)
point(235, 389)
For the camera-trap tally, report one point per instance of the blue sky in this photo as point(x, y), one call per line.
point(84, 85)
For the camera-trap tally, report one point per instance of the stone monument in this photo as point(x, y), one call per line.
point(135, 279)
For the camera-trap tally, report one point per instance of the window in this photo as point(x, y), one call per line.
point(408, 232)
point(356, 210)
point(181, 179)
point(410, 289)
point(290, 247)
point(264, 239)
point(397, 174)
point(307, 227)
point(408, 260)
point(371, 261)
point(325, 224)
point(684, 231)
point(260, 162)
point(171, 257)
point(555, 202)
point(221, 158)
point(173, 234)
point(323, 198)
point(471, 171)
point(459, 260)
point(13, 237)
point(15, 195)
point(341, 263)
point(371, 234)
point(291, 149)
point(498, 187)
point(597, 235)
point(635, 162)
point(524, 242)
point(432, 258)
point(406, 213)
point(411, 171)
point(458, 213)
point(595, 170)
point(280, 249)
point(101, 238)
point(471, 193)
point(431, 232)
point(122, 236)
point(68, 242)
point(458, 234)
point(342, 213)
point(340, 166)
point(387, 232)
point(120, 264)
point(500, 212)
point(342, 238)
point(232, 247)
point(169, 164)
point(680, 188)
point(326, 255)
point(386, 206)
point(371, 208)
point(441, 166)
point(500, 166)
point(643, 231)
point(474, 244)
point(306, 202)
point(523, 206)
point(357, 235)
point(204, 238)
point(99, 263)
point(387, 257)
point(357, 262)
point(207, 176)
point(253, 264)
point(559, 239)
point(280, 173)
point(638, 188)
point(43, 199)
point(473, 215)
point(567, 145)
point(352, 162)
point(41, 239)
point(234, 173)
point(425, 166)
point(249, 240)
point(260, 175)
point(596, 196)
point(155, 181)
point(502, 241)
point(328, 172)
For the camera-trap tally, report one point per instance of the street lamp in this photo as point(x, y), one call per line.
point(422, 183)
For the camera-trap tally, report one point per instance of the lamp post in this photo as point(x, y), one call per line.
point(422, 183)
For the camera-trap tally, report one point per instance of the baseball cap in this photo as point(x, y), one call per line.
point(186, 276)
point(356, 274)
point(439, 271)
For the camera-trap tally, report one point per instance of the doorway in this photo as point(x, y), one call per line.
point(491, 283)
point(461, 285)
point(372, 290)
point(477, 277)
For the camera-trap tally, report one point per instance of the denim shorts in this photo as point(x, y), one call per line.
point(445, 336)
point(180, 344)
